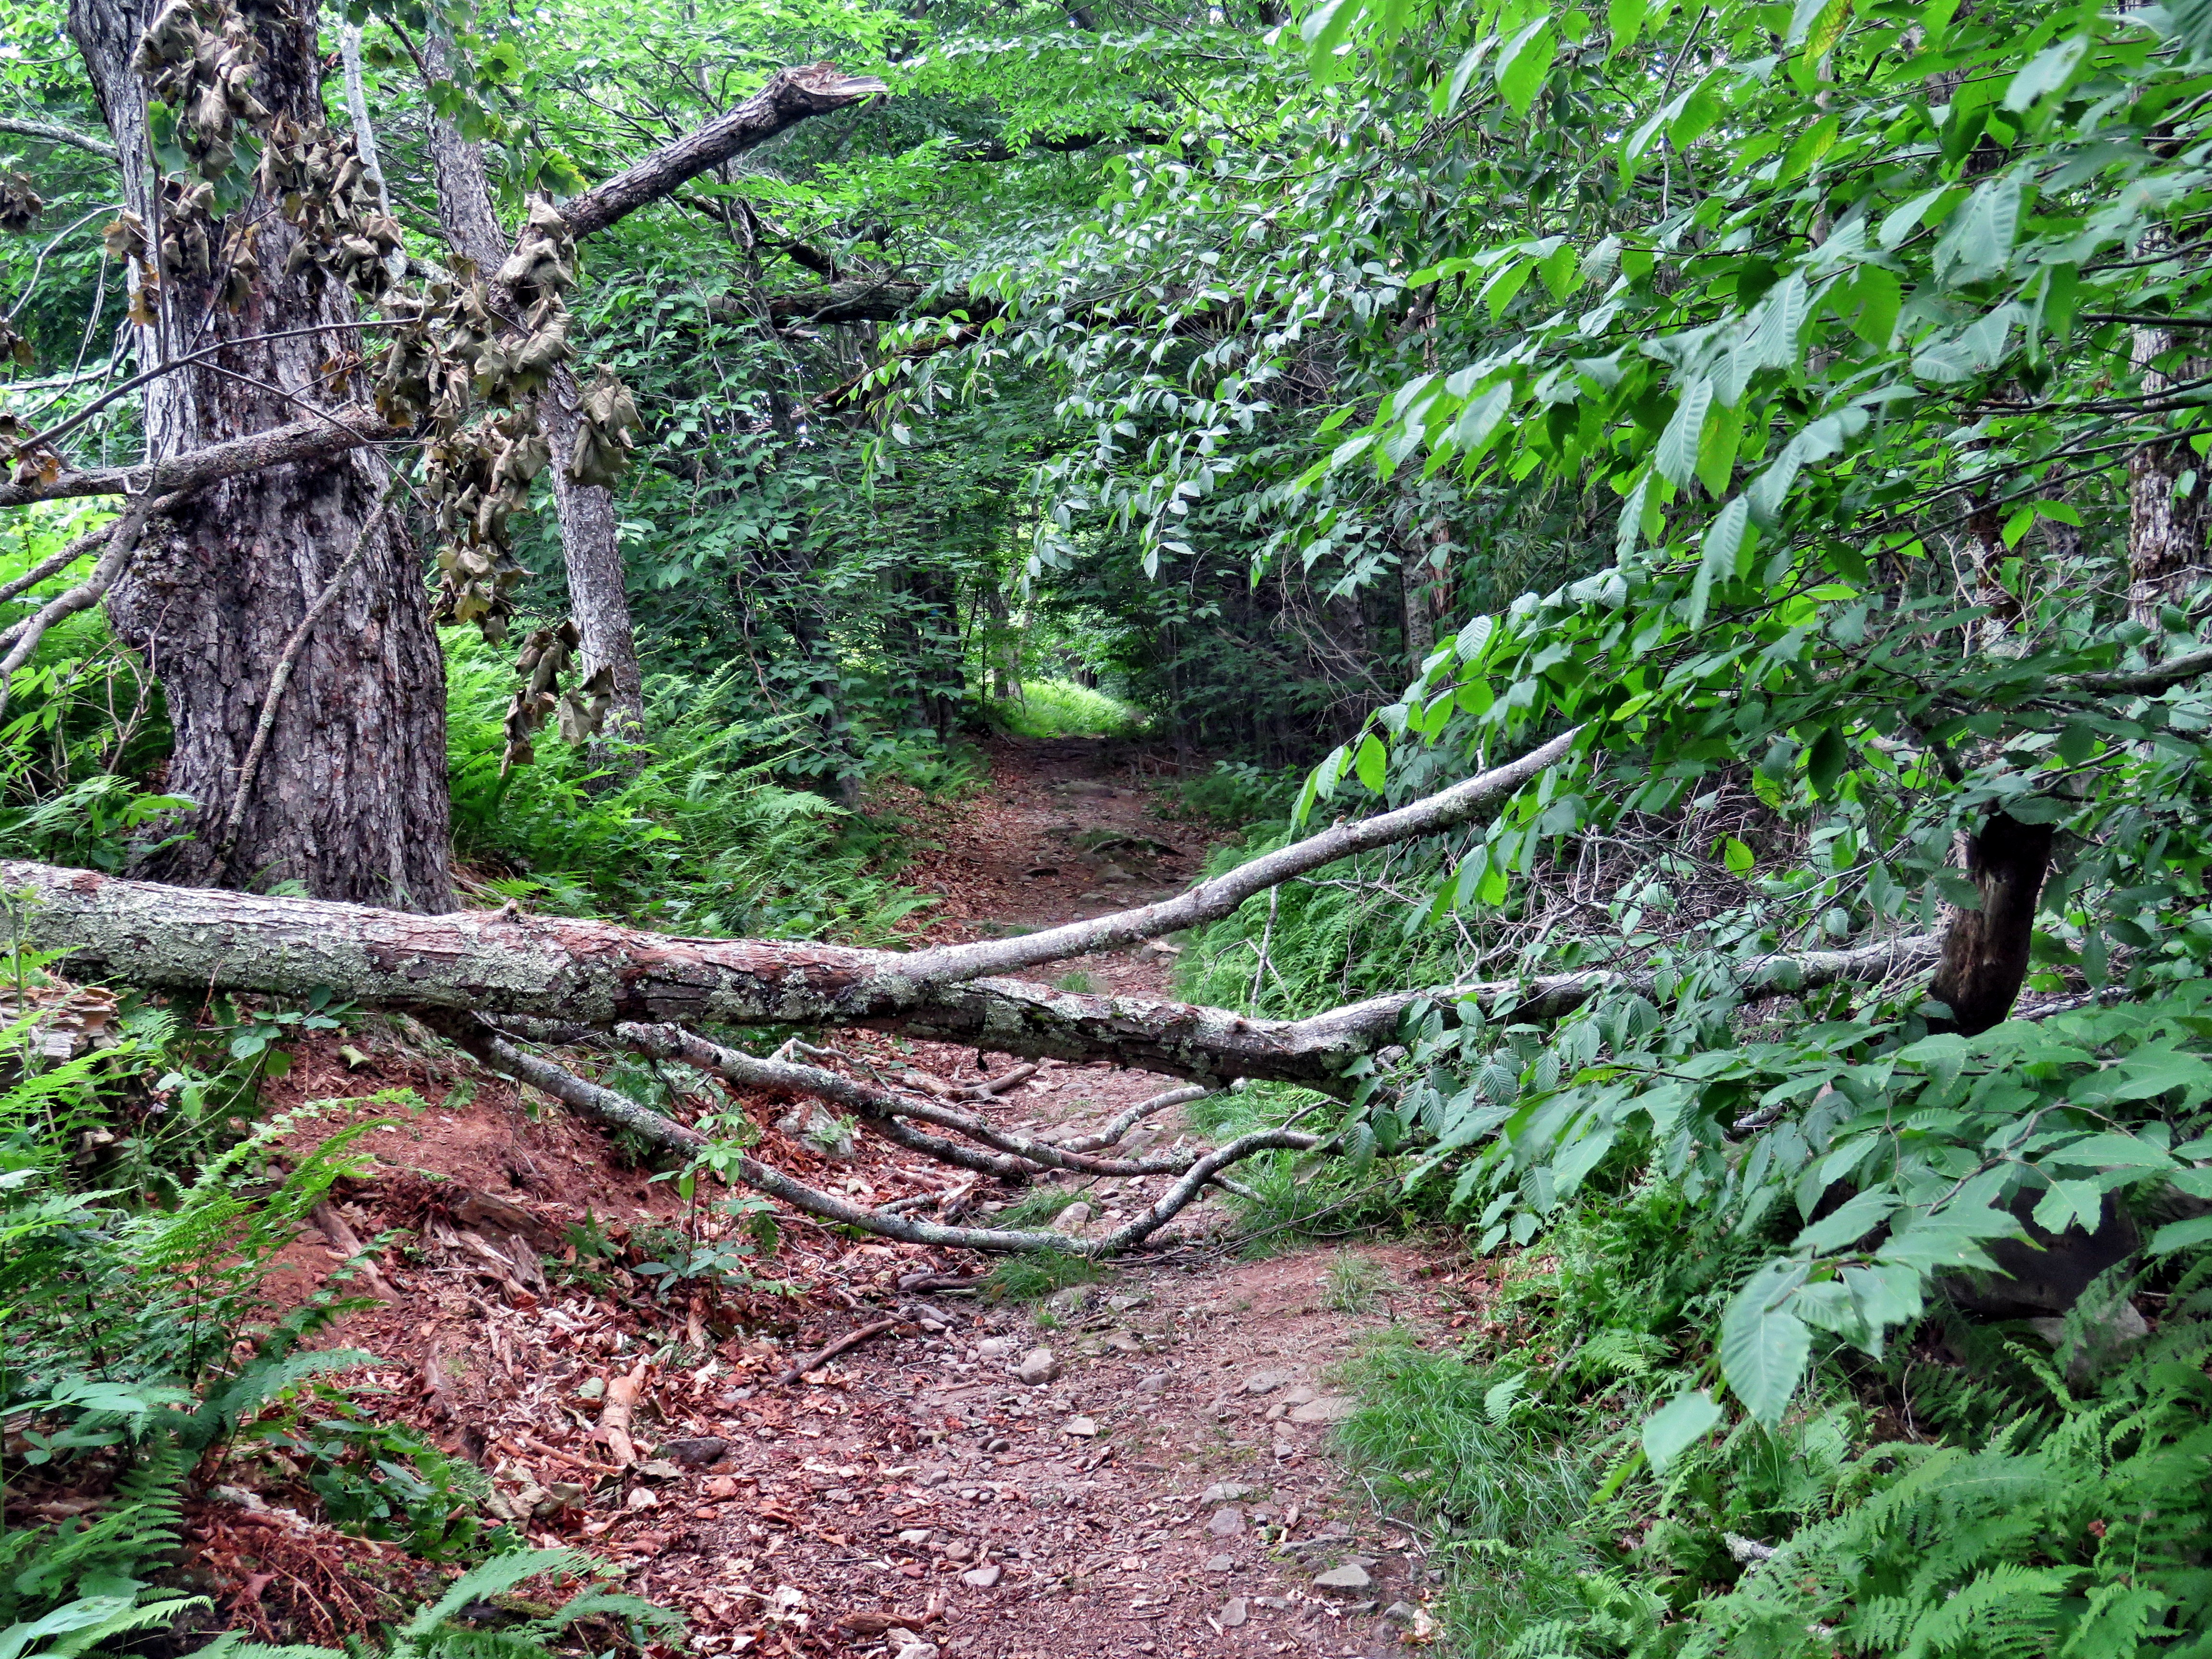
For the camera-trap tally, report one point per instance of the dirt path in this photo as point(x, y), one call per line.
point(1139, 1468)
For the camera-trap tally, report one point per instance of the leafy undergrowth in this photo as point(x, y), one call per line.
point(1974, 1493)
point(1062, 708)
point(691, 834)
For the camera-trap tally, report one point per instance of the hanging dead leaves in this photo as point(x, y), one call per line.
point(20, 204)
point(582, 711)
point(465, 359)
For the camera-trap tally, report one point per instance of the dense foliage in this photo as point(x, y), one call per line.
point(1802, 402)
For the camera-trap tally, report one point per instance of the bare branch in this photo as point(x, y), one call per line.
point(1211, 900)
point(791, 96)
point(876, 1108)
point(881, 1109)
point(1112, 1134)
point(2145, 681)
point(314, 439)
point(53, 132)
point(121, 546)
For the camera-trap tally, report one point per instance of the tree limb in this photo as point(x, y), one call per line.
point(790, 97)
point(314, 439)
point(1211, 900)
point(54, 132)
point(2148, 681)
point(122, 537)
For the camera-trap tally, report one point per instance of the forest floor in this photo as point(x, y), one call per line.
point(1138, 1466)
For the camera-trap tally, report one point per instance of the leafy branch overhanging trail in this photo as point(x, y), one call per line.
point(470, 972)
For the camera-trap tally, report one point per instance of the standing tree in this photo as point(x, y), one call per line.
point(262, 570)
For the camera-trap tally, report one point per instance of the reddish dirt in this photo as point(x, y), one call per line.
point(915, 1478)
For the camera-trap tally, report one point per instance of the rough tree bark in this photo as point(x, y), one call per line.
point(1985, 950)
point(2168, 536)
point(590, 550)
point(351, 801)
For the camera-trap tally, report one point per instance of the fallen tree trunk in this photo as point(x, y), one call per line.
point(204, 939)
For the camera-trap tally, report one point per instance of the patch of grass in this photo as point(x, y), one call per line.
point(1438, 1438)
point(1078, 981)
point(1033, 1278)
point(1061, 709)
point(1354, 1282)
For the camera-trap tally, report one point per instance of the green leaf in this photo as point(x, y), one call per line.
point(1825, 765)
point(1725, 539)
point(2070, 1203)
point(1876, 294)
point(1623, 19)
point(1676, 456)
point(2047, 72)
point(1678, 1425)
point(2181, 1235)
point(1524, 63)
point(1372, 762)
point(1764, 1346)
point(1737, 857)
point(1852, 1220)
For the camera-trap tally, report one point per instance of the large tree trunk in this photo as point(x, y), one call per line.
point(350, 799)
point(598, 596)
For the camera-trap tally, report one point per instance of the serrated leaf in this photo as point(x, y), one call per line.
point(2047, 72)
point(1677, 456)
point(2181, 1235)
point(1764, 1345)
point(1724, 537)
point(1372, 764)
point(1523, 64)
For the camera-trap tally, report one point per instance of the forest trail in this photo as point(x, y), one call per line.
point(1137, 1466)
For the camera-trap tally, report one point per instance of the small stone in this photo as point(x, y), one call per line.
point(1233, 1612)
point(1273, 1603)
point(721, 1486)
point(1225, 1492)
point(1038, 1367)
point(958, 1550)
point(1275, 1412)
point(1068, 1301)
point(1113, 873)
point(997, 1347)
point(1343, 1581)
point(1266, 1381)
point(1402, 1613)
point(982, 1577)
point(1328, 1408)
point(1072, 1222)
point(917, 1649)
point(1082, 1427)
point(641, 1498)
point(1298, 1396)
point(1156, 1383)
point(1220, 1563)
point(914, 1535)
point(1227, 1522)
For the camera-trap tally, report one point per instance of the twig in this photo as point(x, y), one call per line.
point(121, 546)
point(850, 1340)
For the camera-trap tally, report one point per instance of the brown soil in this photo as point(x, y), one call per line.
point(915, 1482)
